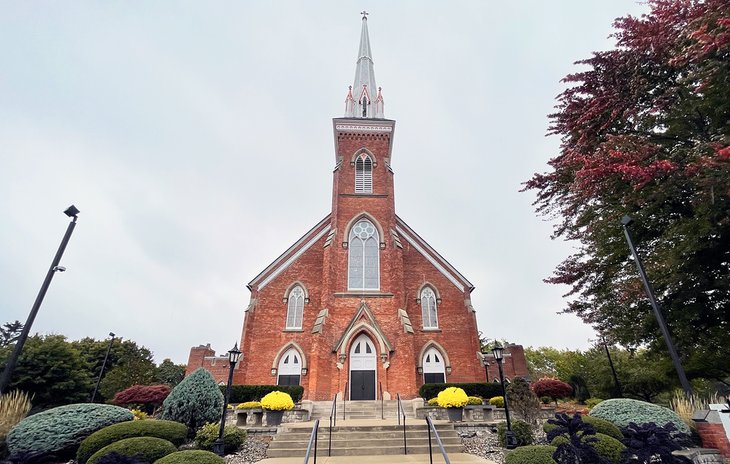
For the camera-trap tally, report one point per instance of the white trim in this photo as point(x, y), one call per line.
point(294, 257)
point(362, 128)
point(430, 258)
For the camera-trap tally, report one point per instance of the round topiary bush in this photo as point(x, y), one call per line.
point(277, 401)
point(233, 437)
point(606, 446)
point(601, 425)
point(621, 411)
point(521, 429)
point(173, 432)
point(149, 449)
point(59, 431)
point(191, 457)
point(452, 397)
point(497, 401)
point(194, 401)
point(149, 397)
point(536, 454)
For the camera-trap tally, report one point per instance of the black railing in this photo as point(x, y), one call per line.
point(438, 442)
point(333, 423)
point(382, 401)
point(312, 438)
point(402, 412)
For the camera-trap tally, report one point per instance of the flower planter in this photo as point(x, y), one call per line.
point(274, 417)
point(455, 414)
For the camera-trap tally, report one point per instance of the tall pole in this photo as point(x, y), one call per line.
point(613, 369)
point(625, 222)
point(509, 436)
point(234, 356)
point(72, 212)
point(103, 365)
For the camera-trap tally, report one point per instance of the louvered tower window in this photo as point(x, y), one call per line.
point(428, 309)
point(295, 308)
point(364, 257)
point(363, 174)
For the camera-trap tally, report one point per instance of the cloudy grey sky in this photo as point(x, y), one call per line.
point(196, 139)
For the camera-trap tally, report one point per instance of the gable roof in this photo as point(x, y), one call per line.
point(438, 261)
point(291, 254)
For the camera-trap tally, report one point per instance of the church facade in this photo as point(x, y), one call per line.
point(360, 306)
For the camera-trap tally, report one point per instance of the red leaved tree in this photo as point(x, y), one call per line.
point(147, 397)
point(552, 388)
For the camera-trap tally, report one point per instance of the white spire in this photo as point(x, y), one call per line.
point(364, 100)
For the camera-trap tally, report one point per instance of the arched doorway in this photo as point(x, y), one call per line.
point(434, 370)
point(290, 368)
point(363, 363)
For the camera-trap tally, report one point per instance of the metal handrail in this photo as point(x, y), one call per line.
point(438, 441)
point(313, 436)
point(333, 423)
point(382, 401)
point(344, 402)
point(398, 413)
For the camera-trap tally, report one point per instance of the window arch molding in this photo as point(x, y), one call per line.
point(432, 287)
point(359, 152)
point(291, 287)
point(291, 345)
point(435, 345)
point(354, 220)
point(295, 300)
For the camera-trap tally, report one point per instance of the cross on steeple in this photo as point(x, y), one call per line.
point(364, 14)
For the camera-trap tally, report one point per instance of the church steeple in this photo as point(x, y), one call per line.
point(364, 99)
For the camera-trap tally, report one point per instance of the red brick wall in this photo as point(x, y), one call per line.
point(714, 436)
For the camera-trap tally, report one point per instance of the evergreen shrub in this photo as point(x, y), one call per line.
point(535, 454)
point(474, 401)
point(244, 393)
point(484, 390)
point(173, 432)
point(60, 430)
point(622, 411)
point(233, 437)
point(606, 446)
point(195, 401)
point(592, 402)
point(601, 425)
point(521, 429)
point(147, 449)
point(191, 457)
point(116, 458)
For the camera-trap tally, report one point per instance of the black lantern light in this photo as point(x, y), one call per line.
point(509, 436)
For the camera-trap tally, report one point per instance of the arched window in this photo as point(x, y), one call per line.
point(364, 257)
point(363, 174)
point(295, 309)
point(290, 368)
point(428, 308)
point(433, 367)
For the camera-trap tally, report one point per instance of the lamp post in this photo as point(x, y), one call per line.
point(613, 369)
point(234, 355)
point(103, 366)
point(486, 366)
point(71, 212)
point(509, 437)
point(626, 221)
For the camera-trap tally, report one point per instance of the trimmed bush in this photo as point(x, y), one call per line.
point(536, 454)
point(249, 405)
point(195, 401)
point(233, 437)
point(474, 401)
point(148, 396)
point(606, 446)
point(592, 402)
point(59, 431)
point(622, 411)
point(173, 432)
point(601, 425)
point(433, 402)
point(116, 458)
point(484, 390)
point(191, 457)
point(452, 397)
point(243, 393)
point(497, 401)
point(552, 388)
point(521, 429)
point(148, 449)
point(277, 401)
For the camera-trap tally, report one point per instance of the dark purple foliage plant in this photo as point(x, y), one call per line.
point(578, 449)
point(648, 443)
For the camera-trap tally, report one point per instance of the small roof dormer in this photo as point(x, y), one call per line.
point(364, 99)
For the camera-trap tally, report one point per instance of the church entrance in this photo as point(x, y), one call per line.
point(363, 362)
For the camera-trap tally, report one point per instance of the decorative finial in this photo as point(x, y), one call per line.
point(364, 14)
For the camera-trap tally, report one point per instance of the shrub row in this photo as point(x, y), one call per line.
point(244, 393)
point(147, 449)
point(191, 457)
point(484, 390)
point(173, 432)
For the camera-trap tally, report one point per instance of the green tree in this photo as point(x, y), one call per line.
point(170, 373)
point(9, 333)
point(645, 132)
point(51, 370)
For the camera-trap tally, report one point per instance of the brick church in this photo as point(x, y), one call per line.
point(361, 303)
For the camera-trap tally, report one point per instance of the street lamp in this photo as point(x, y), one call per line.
point(234, 355)
point(103, 365)
point(486, 365)
point(510, 439)
point(71, 212)
point(626, 221)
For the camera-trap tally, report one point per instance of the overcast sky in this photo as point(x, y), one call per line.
point(196, 139)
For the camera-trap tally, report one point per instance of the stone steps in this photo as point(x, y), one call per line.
point(362, 409)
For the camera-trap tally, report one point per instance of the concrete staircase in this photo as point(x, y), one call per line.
point(367, 438)
point(363, 410)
